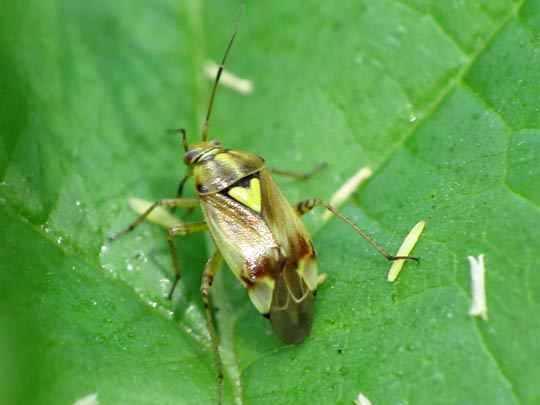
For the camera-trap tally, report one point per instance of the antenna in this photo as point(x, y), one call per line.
point(220, 70)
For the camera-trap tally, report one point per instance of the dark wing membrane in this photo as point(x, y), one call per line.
point(291, 313)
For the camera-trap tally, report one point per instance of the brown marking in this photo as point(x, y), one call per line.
point(264, 266)
point(247, 281)
point(209, 279)
point(305, 248)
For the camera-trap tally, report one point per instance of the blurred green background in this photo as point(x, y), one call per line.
point(441, 99)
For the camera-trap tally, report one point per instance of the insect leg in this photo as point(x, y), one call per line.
point(164, 202)
point(186, 147)
point(185, 144)
point(179, 193)
point(307, 205)
point(180, 190)
point(183, 229)
point(212, 266)
point(300, 176)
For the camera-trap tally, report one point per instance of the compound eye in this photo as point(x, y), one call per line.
point(216, 144)
point(191, 156)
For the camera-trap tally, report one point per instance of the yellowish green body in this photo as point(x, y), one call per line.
point(259, 235)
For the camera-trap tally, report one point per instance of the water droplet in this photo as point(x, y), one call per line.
point(141, 257)
point(110, 268)
point(59, 240)
point(165, 284)
point(412, 117)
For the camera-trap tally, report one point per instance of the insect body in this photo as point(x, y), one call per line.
point(256, 231)
point(259, 235)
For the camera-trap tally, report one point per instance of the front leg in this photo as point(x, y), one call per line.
point(164, 202)
point(183, 229)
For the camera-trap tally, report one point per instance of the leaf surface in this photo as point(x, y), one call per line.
point(439, 98)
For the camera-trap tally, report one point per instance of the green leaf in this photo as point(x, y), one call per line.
point(439, 98)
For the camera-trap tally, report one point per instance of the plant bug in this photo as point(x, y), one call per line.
point(257, 232)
